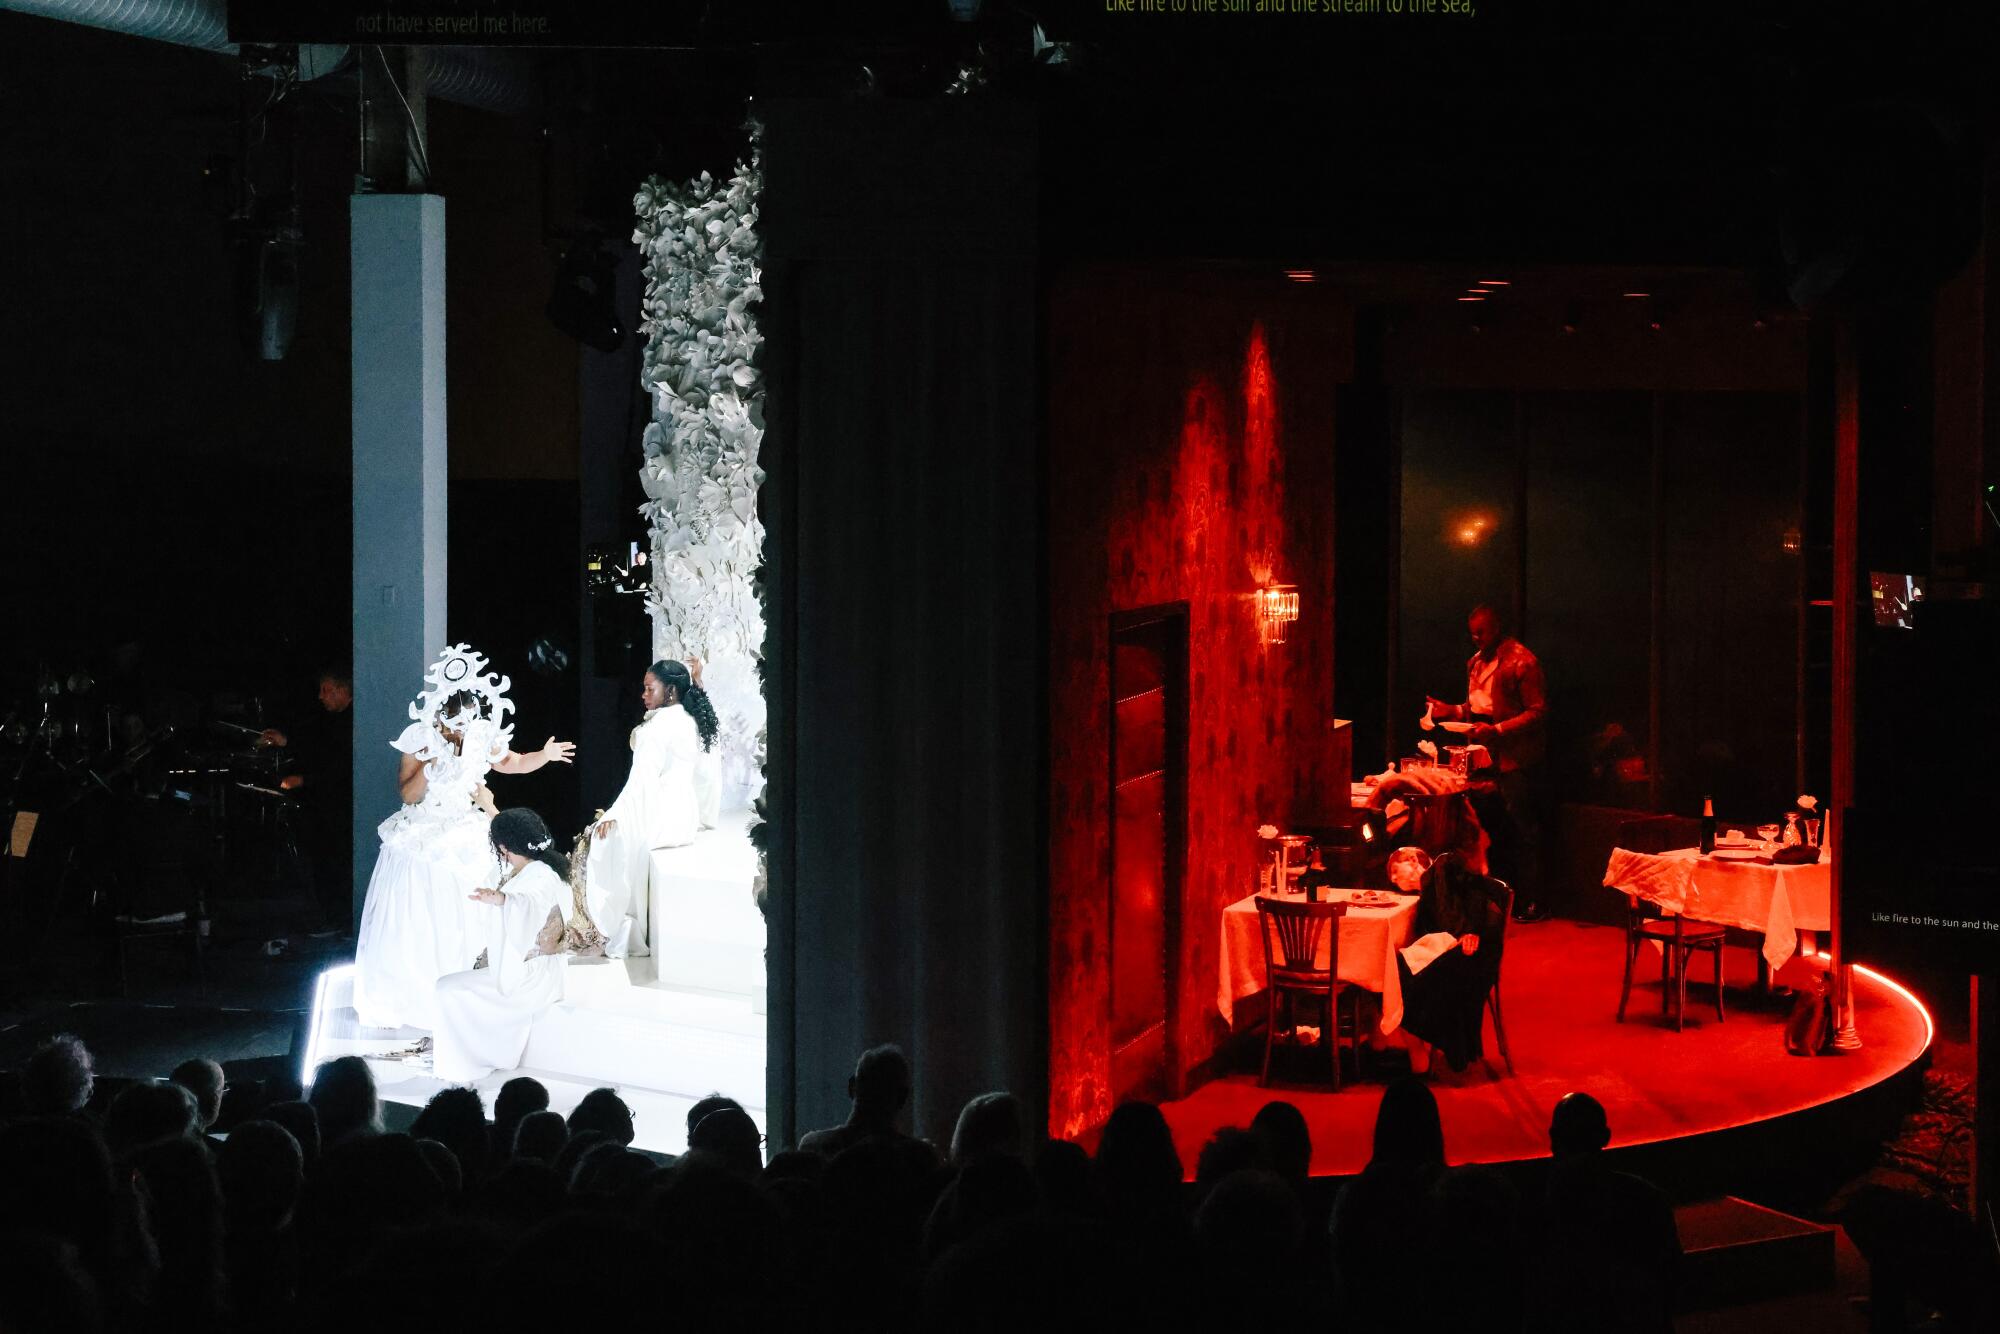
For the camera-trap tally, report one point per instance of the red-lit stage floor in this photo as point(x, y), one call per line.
point(1561, 994)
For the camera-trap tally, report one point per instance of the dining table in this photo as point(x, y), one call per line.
point(1739, 886)
point(1377, 923)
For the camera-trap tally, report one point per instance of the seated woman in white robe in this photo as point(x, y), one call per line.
point(485, 1014)
point(416, 923)
point(656, 809)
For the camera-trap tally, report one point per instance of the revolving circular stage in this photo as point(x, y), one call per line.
point(1715, 1090)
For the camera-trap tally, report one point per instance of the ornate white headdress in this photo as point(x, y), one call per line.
point(461, 668)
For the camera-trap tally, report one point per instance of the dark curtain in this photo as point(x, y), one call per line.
point(904, 666)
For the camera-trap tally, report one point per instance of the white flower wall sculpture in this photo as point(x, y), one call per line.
point(699, 244)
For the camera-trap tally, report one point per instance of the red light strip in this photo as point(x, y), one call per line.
point(1930, 1028)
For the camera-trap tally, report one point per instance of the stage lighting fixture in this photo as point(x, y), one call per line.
point(331, 989)
point(547, 658)
point(584, 304)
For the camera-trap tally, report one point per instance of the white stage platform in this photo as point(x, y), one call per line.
point(664, 1031)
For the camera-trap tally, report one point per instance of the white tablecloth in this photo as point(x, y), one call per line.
point(1369, 939)
point(1778, 901)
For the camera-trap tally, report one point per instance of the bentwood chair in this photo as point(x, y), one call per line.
point(1293, 931)
point(1500, 898)
point(1678, 938)
point(1504, 902)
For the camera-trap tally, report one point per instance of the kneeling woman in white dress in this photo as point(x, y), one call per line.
point(658, 807)
point(416, 925)
point(485, 1014)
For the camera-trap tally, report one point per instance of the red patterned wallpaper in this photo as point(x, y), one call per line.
point(1191, 459)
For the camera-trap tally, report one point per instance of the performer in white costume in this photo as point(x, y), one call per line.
point(417, 924)
point(485, 1014)
point(657, 808)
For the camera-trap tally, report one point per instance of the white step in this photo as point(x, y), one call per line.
point(704, 926)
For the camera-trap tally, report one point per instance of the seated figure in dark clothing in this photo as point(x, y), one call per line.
point(1442, 1001)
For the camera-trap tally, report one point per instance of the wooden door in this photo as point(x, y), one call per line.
point(1148, 842)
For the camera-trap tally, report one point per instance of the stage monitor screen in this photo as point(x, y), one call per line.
point(1895, 598)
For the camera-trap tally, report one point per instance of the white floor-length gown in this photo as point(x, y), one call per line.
point(417, 924)
point(656, 809)
point(485, 1014)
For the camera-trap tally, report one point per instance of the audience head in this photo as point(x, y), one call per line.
point(990, 1123)
point(261, 1170)
point(444, 1167)
point(1247, 1219)
point(43, 1288)
point(149, 1113)
point(204, 1079)
point(795, 1165)
point(714, 1102)
point(1287, 1143)
point(989, 1189)
point(343, 1096)
point(1408, 1132)
point(1578, 1125)
point(732, 1137)
point(577, 1144)
point(56, 1176)
point(1230, 1149)
point(608, 1169)
point(540, 1136)
point(516, 1098)
point(183, 1205)
point(880, 1084)
point(456, 1118)
point(1137, 1163)
point(603, 1111)
point(301, 1121)
point(1062, 1170)
point(58, 1077)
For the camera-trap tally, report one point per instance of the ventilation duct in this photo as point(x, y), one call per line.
point(489, 80)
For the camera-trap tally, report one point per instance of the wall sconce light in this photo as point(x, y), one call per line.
point(1277, 607)
point(1471, 528)
point(1792, 542)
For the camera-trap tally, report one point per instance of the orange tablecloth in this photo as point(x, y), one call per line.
point(1369, 939)
point(1778, 901)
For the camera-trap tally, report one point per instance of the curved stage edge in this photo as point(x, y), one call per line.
point(1683, 1106)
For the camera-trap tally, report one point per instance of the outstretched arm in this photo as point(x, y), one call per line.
point(552, 752)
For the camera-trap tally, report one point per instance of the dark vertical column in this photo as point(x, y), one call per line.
point(1365, 545)
point(1846, 628)
point(908, 653)
point(397, 253)
point(1656, 615)
point(613, 409)
point(777, 506)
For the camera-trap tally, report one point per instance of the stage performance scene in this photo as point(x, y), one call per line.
point(974, 666)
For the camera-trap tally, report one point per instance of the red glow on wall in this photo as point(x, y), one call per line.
point(1187, 468)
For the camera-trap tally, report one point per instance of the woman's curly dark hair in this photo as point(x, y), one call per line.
point(692, 697)
point(521, 831)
